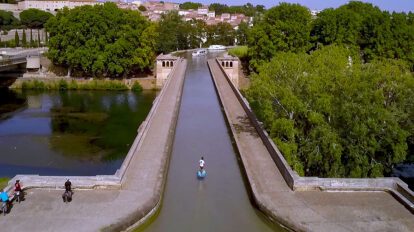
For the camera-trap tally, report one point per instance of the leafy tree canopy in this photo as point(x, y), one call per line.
point(7, 20)
point(376, 33)
point(331, 115)
point(101, 40)
point(248, 9)
point(285, 27)
point(34, 18)
point(190, 5)
point(142, 8)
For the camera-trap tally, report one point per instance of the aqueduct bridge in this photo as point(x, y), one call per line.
point(200, 111)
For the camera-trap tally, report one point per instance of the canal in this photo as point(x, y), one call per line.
point(68, 132)
point(220, 202)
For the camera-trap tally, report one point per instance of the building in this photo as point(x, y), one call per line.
point(53, 6)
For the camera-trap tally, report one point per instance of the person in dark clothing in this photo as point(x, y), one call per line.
point(68, 186)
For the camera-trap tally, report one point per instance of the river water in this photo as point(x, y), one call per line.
point(68, 132)
point(220, 202)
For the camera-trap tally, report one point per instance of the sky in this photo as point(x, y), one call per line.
point(389, 5)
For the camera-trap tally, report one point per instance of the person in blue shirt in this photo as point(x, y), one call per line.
point(5, 200)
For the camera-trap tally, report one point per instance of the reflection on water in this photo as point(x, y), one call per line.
point(69, 132)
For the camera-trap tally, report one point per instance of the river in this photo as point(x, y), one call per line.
point(68, 132)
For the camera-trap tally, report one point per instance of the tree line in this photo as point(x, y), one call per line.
point(105, 41)
point(335, 91)
point(356, 25)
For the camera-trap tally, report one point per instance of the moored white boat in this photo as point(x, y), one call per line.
point(199, 52)
point(217, 47)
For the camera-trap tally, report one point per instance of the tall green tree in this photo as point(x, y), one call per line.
point(172, 33)
point(376, 33)
point(34, 18)
point(24, 39)
point(285, 27)
point(190, 5)
point(332, 115)
point(221, 33)
point(16, 38)
point(101, 40)
point(7, 20)
point(241, 33)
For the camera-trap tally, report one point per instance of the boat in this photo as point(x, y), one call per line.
point(216, 47)
point(200, 52)
point(201, 174)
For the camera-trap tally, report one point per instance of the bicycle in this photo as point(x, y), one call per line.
point(4, 208)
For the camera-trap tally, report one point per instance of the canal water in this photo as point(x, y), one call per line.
point(220, 202)
point(68, 132)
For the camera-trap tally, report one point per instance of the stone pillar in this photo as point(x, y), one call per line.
point(164, 65)
point(230, 65)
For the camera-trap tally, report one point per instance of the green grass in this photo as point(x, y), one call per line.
point(79, 85)
point(3, 182)
point(239, 51)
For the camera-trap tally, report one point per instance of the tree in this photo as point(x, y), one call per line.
point(46, 38)
point(34, 18)
point(24, 39)
point(7, 20)
point(190, 5)
point(16, 38)
point(31, 39)
point(38, 38)
point(374, 32)
point(241, 33)
point(172, 33)
point(221, 33)
point(335, 117)
point(218, 8)
point(142, 8)
point(284, 28)
point(196, 33)
point(101, 40)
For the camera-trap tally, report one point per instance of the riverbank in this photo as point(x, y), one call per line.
point(3, 182)
point(67, 83)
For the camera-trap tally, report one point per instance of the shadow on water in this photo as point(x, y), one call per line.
point(220, 202)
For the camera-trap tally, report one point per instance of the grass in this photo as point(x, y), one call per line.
point(3, 182)
point(79, 85)
point(239, 51)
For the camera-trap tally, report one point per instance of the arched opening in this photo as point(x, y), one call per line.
point(231, 64)
point(163, 64)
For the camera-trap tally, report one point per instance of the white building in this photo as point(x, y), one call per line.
point(211, 14)
point(52, 6)
point(202, 10)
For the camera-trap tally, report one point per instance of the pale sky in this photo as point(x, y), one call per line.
point(389, 5)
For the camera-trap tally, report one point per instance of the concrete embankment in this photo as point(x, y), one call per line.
point(114, 202)
point(344, 205)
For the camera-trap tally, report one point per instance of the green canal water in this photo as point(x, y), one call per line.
point(68, 132)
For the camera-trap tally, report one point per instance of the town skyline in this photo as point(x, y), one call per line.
point(396, 5)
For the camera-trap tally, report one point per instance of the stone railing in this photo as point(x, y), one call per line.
point(392, 185)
